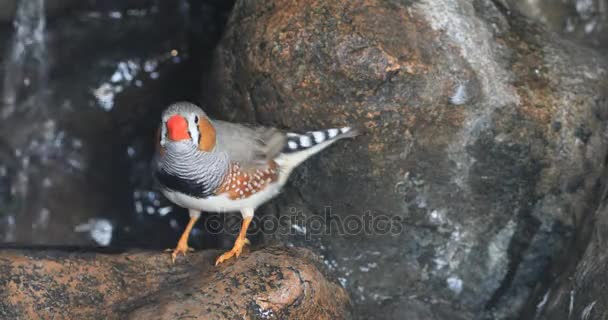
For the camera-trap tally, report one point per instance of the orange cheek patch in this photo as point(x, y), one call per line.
point(206, 140)
point(240, 184)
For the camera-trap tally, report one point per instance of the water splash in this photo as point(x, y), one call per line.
point(26, 65)
point(99, 230)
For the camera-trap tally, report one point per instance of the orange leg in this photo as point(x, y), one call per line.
point(182, 244)
point(241, 240)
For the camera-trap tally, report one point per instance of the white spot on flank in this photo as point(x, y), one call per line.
point(345, 129)
point(332, 132)
point(305, 141)
point(319, 136)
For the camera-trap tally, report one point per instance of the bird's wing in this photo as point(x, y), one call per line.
point(251, 146)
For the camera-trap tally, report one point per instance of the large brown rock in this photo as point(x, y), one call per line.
point(485, 142)
point(275, 282)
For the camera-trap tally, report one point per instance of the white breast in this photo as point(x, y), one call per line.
point(222, 203)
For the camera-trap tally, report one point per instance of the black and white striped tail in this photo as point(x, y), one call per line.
point(300, 142)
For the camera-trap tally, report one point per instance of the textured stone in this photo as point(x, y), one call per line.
point(485, 142)
point(575, 287)
point(275, 282)
point(584, 21)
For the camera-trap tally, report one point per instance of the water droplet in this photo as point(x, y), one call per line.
point(115, 14)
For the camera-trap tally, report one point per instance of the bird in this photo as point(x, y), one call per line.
point(208, 165)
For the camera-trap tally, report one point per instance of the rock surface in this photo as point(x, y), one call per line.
point(485, 144)
point(274, 282)
point(585, 21)
point(579, 292)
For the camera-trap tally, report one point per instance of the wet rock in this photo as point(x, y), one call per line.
point(462, 156)
point(275, 282)
point(575, 287)
point(585, 21)
point(78, 143)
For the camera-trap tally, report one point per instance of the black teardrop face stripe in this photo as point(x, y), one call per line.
point(184, 185)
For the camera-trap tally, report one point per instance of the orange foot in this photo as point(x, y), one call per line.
point(182, 247)
point(182, 244)
point(235, 251)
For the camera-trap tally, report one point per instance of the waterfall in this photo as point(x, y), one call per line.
point(26, 63)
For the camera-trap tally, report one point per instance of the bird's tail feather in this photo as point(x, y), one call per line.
point(297, 142)
point(300, 147)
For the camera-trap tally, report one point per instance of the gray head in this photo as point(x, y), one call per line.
point(186, 122)
point(187, 143)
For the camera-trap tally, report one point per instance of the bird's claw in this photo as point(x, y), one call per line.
point(235, 251)
point(183, 249)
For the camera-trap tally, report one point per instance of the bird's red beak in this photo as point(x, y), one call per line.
point(177, 128)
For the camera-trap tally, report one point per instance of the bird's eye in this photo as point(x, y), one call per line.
point(196, 119)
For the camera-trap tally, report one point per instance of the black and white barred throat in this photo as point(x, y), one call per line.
point(184, 168)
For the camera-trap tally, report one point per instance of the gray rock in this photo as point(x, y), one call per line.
point(577, 288)
point(485, 139)
point(585, 21)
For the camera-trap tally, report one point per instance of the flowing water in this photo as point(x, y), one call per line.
point(26, 65)
point(82, 91)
